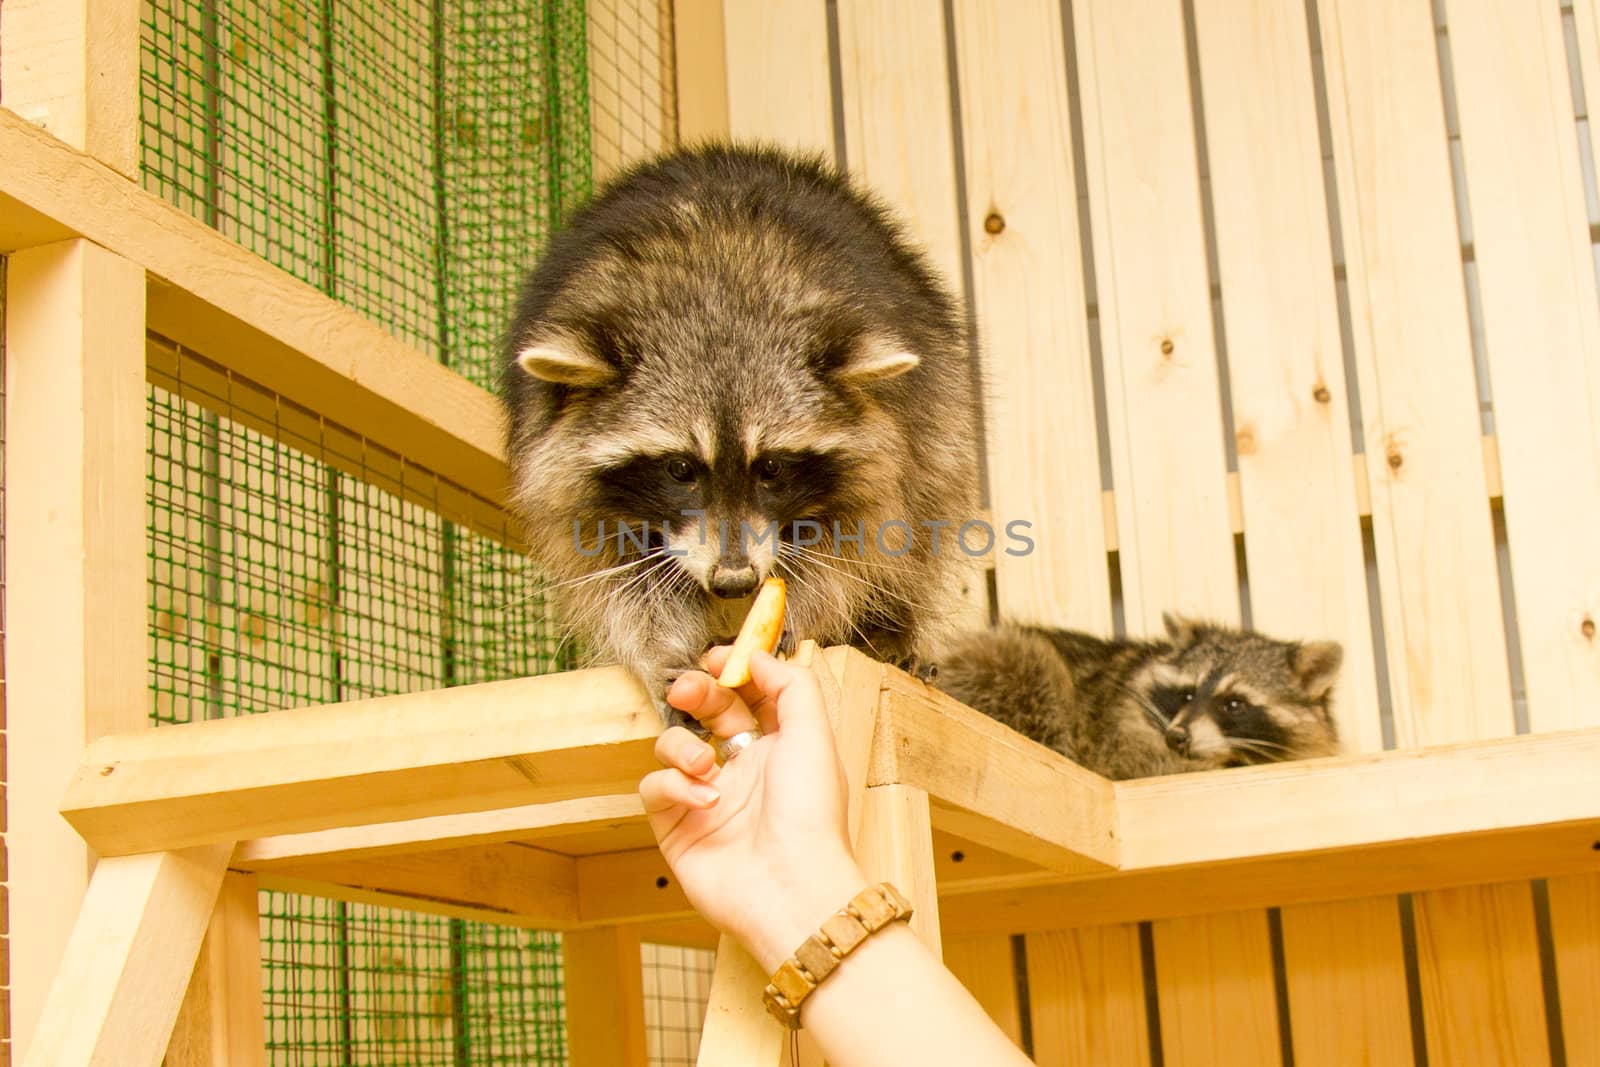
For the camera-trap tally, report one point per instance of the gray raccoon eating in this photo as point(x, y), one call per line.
point(732, 365)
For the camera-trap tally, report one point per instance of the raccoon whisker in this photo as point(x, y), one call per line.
point(819, 559)
point(601, 575)
point(808, 550)
point(1146, 705)
point(836, 595)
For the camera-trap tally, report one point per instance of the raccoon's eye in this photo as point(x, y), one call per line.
point(1188, 696)
point(680, 470)
point(1234, 706)
point(768, 469)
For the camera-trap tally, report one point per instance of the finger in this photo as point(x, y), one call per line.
point(722, 711)
point(683, 751)
point(716, 658)
point(791, 700)
point(668, 795)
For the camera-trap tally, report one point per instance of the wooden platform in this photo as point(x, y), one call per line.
point(514, 802)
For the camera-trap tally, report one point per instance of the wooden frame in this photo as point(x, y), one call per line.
point(463, 811)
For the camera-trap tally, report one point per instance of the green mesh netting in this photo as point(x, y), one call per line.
point(409, 159)
point(275, 581)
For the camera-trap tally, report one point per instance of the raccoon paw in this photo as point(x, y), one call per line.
point(671, 716)
point(787, 644)
point(918, 668)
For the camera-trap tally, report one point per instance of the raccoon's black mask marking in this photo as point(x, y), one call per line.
point(738, 331)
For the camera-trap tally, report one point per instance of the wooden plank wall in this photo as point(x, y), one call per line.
point(1233, 264)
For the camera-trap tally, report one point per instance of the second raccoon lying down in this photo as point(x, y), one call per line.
point(1205, 697)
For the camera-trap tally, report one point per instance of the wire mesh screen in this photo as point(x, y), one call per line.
point(290, 574)
point(354, 983)
point(677, 984)
point(408, 157)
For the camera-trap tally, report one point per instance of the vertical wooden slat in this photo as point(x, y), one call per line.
point(1216, 1008)
point(701, 68)
point(1028, 295)
point(604, 997)
point(898, 140)
point(1162, 396)
point(1286, 373)
point(1345, 968)
point(897, 117)
point(1086, 986)
point(1291, 430)
point(985, 965)
point(1480, 976)
point(75, 548)
point(1575, 931)
point(1448, 678)
point(73, 68)
point(1541, 320)
point(1214, 974)
point(778, 87)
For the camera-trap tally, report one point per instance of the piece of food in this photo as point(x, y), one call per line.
point(762, 628)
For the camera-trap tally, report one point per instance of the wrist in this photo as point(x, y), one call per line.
point(799, 908)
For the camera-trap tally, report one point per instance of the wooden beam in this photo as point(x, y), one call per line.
point(116, 995)
point(604, 997)
point(221, 1023)
point(210, 294)
point(515, 885)
point(1361, 802)
point(72, 66)
point(443, 752)
point(987, 781)
point(528, 822)
point(75, 597)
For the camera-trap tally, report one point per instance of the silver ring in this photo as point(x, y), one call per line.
point(729, 747)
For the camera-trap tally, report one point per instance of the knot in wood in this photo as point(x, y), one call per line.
point(1167, 347)
point(994, 222)
point(1587, 628)
point(1320, 394)
point(1396, 460)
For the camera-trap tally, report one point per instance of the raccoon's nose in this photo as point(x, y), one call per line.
point(733, 583)
point(1178, 740)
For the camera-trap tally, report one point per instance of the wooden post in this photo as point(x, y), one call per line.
point(115, 998)
point(75, 552)
point(896, 845)
point(605, 997)
point(72, 66)
point(221, 1023)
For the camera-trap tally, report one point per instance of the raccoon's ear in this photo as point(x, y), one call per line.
point(561, 359)
point(1180, 631)
point(1316, 664)
point(875, 359)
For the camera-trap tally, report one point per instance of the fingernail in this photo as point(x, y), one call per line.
point(702, 760)
point(704, 794)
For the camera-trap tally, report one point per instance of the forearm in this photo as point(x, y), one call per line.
point(888, 1003)
point(892, 1003)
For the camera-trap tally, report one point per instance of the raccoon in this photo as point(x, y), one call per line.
point(732, 364)
point(1205, 697)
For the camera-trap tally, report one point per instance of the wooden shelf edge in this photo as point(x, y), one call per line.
point(210, 294)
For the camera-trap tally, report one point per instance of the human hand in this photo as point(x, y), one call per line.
point(759, 844)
